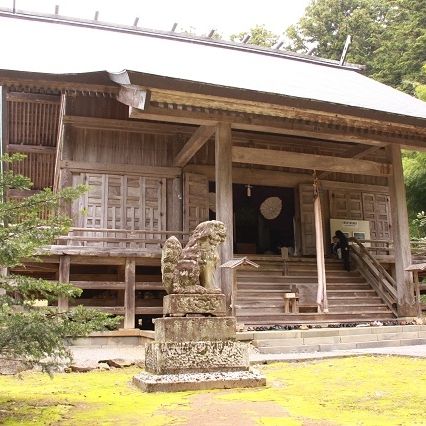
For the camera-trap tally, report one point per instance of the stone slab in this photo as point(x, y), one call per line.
point(359, 338)
point(196, 357)
point(190, 329)
point(321, 340)
point(198, 381)
point(181, 304)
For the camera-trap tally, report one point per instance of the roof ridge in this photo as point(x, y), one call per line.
point(181, 37)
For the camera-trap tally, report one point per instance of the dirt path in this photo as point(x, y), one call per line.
point(209, 410)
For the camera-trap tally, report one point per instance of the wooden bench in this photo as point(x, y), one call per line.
point(291, 303)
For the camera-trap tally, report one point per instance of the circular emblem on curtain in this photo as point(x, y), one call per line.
point(271, 208)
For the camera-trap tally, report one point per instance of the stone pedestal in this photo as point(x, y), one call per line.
point(198, 351)
point(204, 304)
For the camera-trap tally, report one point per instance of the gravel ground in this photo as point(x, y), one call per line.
point(93, 354)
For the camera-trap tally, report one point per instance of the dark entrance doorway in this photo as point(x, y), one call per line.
point(263, 219)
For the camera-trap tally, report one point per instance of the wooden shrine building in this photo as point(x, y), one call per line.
point(194, 129)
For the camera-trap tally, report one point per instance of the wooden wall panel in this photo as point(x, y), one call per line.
point(123, 148)
point(33, 120)
point(196, 200)
point(307, 219)
point(97, 106)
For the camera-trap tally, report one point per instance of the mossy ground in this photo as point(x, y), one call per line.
point(351, 391)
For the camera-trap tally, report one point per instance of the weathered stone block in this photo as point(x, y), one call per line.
point(198, 381)
point(196, 357)
point(186, 329)
point(181, 304)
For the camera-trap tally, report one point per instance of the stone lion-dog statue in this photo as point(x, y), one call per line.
point(191, 270)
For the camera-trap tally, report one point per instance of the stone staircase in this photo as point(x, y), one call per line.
point(260, 293)
point(331, 339)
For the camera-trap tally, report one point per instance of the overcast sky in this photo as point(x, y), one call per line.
point(226, 16)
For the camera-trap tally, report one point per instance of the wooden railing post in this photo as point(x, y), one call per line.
point(129, 293)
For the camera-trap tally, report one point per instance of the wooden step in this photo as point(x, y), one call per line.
point(352, 293)
point(358, 308)
point(296, 279)
point(348, 300)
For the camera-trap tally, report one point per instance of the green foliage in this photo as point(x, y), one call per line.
point(421, 88)
point(388, 36)
point(259, 36)
point(414, 164)
point(29, 331)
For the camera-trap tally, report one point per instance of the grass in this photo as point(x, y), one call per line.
point(351, 391)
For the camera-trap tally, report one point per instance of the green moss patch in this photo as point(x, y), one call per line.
point(350, 391)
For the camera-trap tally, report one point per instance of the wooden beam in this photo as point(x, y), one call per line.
point(32, 149)
point(33, 97)
point(275, 125)
point(193, 145)
point(224, 209)
point(308, 161)
point(358, 151)
point(134, 96)
point(64, 277)
point(128, 169)
point(253, 176)
point(130, 126)
point(401, 237)
point(129, 293)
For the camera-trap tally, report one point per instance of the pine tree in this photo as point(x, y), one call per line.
point(30, 332)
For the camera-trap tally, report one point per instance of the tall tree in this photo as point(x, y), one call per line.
point(259, 36)
point(388, 36)
point(29, 330)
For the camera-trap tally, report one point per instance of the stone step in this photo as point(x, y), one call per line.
point(261, 318)
point(335, 339)
point(327, 347)
point(339, 331)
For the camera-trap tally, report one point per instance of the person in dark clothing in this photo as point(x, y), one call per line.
point(343, 245)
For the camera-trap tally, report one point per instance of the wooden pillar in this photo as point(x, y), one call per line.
point(64, 277)
point(129, 293)
point(406, 304)
point(3, 133)
point(224, 209)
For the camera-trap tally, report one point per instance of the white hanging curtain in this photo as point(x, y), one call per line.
point(319, 238)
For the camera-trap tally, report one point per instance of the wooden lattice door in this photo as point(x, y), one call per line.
point(196, 200)
point(346, 205)
point(376, 208)
point(134, 203)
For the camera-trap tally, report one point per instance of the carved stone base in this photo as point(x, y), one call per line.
point(198, 381)
point(188, 329)
point(182, 304)
point(196, 357)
